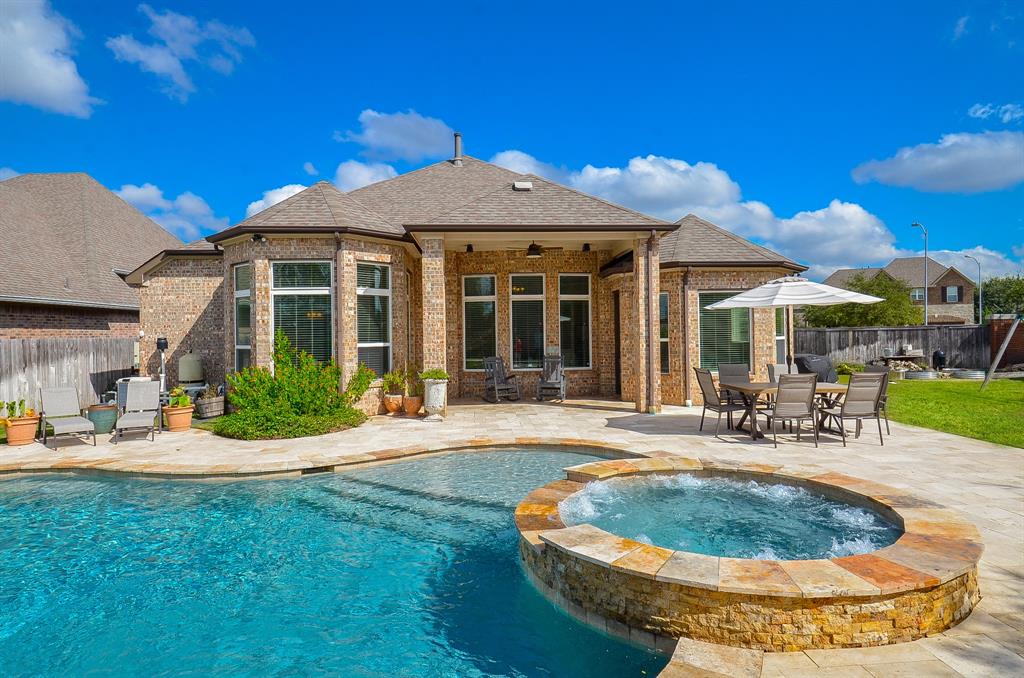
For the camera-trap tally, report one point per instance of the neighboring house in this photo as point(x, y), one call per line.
point(950, 292)
point(65, 243)
point(461, 260)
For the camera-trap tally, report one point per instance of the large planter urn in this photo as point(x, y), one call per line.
point(179, 418)
point(103, 417)
point(435, 398)
point(392, 402)
point(207, 408)
point(21, 430)
point(412, 405)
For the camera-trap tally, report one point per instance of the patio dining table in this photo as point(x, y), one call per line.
point(750, 391)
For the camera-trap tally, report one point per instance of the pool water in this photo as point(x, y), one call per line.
point(725, 517)
point(407, 569)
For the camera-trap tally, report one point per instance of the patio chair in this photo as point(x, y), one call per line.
point(861, 402)
point(883, 403)
point(141, 409)
point(794, 402)
point(61, 409)
point(498, 383)
point(733, 372)
point(714, 401)
point(775, 370)
point(552, 379)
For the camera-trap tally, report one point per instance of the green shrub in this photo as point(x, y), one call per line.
point(267, 424)
point(849, 368)
point(394, 381)
point(358, 384)
point(413, 383)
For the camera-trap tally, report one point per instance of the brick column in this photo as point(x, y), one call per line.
point(260, 310)
point(645, 311)
point(433, 289)
point(345, 307)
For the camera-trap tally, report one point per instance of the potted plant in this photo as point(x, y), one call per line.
point(413, 400)
point(21, 423)
point(210, 403)
point(394, 386)
point(436, 389)
point(179, 411)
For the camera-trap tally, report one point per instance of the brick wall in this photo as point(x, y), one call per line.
point(182, 300)
point(31, 321)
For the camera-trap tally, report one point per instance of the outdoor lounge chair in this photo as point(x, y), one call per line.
point(552, 379)
point(714, 401)
point(862, 401)
point(61, 409)
point(498, 383)
point(142, 409)
point(794, 402)
point(883, 403)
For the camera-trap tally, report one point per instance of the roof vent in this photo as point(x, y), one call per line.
point(457, 158)
point(522, 185)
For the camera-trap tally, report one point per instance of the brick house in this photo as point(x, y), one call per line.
point(67, 241)
point(460, 260)
point(950, 292)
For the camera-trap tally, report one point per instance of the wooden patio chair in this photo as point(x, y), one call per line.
point(498, 383)
point(552, 379)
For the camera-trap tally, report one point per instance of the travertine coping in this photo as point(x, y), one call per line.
point(937, 545)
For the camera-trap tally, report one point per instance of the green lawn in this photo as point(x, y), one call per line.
point(959, 406)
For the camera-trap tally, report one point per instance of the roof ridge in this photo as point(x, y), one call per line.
point(761, 251)
point(323, 197)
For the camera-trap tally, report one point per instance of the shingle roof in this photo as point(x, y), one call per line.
point(65, 235)
point(416, 197)
point(321, 207)
point(700, 242)
point(545, 204)
point(842, 276)
point(911, 270)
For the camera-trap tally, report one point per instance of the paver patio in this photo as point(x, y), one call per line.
point(983, 481)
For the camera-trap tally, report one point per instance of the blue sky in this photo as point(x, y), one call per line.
point(820, 129)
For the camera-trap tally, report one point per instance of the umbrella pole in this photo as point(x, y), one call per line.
point(790, 334)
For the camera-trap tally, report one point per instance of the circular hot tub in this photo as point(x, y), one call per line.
point(751, 556)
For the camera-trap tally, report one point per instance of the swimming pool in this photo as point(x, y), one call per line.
point(407, 569)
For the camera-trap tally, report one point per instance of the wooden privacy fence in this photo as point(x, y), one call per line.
point(90, 364)
point(965, 345)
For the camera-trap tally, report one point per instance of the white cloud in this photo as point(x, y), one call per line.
point(1018, 251)
point(964, 163)
point(1006, 113)
point(7, 173)
point(310, 169)
point(180, 38)
point(187, 216)
point(353, 174)
point(36, 65)
point(400, 136)
point(272, 197)
point(524, 163)
point(960, 28)
point(992, 263)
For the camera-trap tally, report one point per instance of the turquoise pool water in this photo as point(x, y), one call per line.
point(408, 569)
point(720, 516)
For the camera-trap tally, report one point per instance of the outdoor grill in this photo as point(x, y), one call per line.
point(821, 365)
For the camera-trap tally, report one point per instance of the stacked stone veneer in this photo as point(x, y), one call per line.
point(34, 321)
point(182, 300)
point(921, 585)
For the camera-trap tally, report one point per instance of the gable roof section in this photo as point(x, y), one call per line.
point(77, 236)
point(545, 205)
point(196, 248)
point(842, 276)
point(319, 208)
point(418, 196)
point(911, 270)
point(698, 242)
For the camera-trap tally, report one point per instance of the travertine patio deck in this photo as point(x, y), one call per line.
point(983, 481)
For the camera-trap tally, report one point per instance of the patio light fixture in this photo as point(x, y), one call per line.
point(469, 248)
point(258, 237)
point(533, 251)
point(586, 247)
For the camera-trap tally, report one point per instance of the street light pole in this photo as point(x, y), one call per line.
point(926, 281)
point(981, 291)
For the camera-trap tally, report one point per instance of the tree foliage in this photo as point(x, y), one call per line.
point(897, 309)
point(1004, 294)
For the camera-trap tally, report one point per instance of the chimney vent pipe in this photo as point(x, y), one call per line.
point(457, 160)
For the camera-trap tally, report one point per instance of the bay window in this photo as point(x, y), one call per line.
point(301, 299)
point(242, 278)
point(373, 316)
point(479, 320)
point(527, 306)
point(574, 319)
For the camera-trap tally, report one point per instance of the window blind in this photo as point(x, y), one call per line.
point(373, 316)
point(306, 321)
point(480, 318)
point(724, 333)
point(527, 321)
point(302, 274)
point(574, 317)
point(663, 331)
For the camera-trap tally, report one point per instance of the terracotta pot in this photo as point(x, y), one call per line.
point(392, 402)
point(412, 405)
point(179, 418)
point(21, 430)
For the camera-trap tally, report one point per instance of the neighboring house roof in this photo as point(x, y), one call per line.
point(698, 242)
point(319, 208)
point(66, 238)
point(842, 277)
point(529, 201)
point(911, 270)
point(418, 196)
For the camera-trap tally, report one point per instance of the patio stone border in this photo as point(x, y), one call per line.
point(922, 584)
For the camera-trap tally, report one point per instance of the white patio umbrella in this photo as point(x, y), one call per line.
point(789, 292)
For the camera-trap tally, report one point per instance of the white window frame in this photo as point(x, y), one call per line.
point(543, 314)
point(590, 316)
point(241, 294)
point(956, 294)
point(374, 292)
point(466, 300)
point(750, 320)
point(914, 296)
point(294, 291)
point(665, 369)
